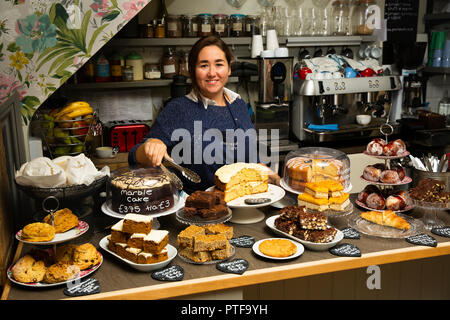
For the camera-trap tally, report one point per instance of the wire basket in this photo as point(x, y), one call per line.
point(66, 137)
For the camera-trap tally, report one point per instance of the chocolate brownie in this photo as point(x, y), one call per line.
point(201, 200)
point(317, 236)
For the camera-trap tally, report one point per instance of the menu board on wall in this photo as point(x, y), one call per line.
point(402, 18)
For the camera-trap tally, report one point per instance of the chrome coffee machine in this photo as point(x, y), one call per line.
point(326, 110)
point(275, 94)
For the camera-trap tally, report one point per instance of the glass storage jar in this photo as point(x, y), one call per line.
point(169, 63)
point(205, 24)
point(251, 25)
point(147, 30)
point(221, 25)
point(361, 17)
point(127, 73)
point(173, 26)
point(159, 28)
point(184, 64)
point(237, 25)
point(152, 71)
point(340, 15)
point(190, 26)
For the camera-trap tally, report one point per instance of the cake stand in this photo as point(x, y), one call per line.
point(430, 213)
point(247, 214)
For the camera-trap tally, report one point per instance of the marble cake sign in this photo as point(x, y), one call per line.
point(243, 241)
point(83, 288)
point(173, 273)
point(237, 266)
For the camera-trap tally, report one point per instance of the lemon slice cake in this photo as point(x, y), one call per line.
point(308, 201)
point(240, 179)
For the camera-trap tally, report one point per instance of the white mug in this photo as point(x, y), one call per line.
point(106, 152)
point(375, 52)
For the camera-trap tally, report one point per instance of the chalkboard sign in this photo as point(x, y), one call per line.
point(345, 250)
point(83, 288)
point(172, 273)
point(237, 266)
point(350, 233)
point(422, 240)
point(402, 18)
point(243, 241)
point(441, 231)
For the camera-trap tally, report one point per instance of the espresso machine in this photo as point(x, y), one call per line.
point(325, 110)
point(275, 98)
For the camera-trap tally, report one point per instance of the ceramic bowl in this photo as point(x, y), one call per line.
point(363, 119)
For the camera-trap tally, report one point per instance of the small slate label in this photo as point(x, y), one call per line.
point(422, 240)
point(442, 231)
point(82, 288)
point(243, 241)
point(237, 266)
point(172, 273)
point(345, 250)
point(350, 233)
point(254, 201)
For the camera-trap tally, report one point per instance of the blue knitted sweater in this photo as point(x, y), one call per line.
point(181, 125)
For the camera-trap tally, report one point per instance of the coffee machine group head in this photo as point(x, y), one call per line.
point(276, 80)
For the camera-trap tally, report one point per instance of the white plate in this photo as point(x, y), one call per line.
point(270, 222)
point(299, 252)
point(172, 253)
point(199, 221)
point(288, 188)
point(59, 237)
point(274, 193)
point(106, 208)
point(83, 273)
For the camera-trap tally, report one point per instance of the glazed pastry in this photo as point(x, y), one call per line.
point(391, 149)
point(395, 203)
point(362, 196)
point(386, 218)
point(375, 201)
point(371, 173)
point(401, 146)
point(375, 147)
point(400, 170)
point(404, 195)
point(389, 176)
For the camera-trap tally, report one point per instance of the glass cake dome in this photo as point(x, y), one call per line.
point(141, 191)
point(315, 164)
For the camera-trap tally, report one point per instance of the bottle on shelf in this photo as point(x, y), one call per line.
point(88, 72)
point(102, 73)
point(135, 60)
point(116, 62)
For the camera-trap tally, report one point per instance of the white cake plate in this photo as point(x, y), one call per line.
point(247, 214)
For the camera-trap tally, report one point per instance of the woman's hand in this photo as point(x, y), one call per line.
point(151, 152)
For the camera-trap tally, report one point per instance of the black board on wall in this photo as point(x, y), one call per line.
point(402, 17)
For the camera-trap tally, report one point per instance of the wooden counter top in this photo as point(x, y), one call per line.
point(119, 281)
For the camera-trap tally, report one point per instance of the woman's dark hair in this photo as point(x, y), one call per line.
point(195, 51)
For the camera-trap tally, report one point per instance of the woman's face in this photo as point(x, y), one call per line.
point(212, 71)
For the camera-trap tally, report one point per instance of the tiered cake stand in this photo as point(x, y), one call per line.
point(51, 205)
point(430, 213)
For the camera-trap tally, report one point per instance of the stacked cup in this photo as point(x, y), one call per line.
point(257, 45)
point(437, 48)
point(446, 55)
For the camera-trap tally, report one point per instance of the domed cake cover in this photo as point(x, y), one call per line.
point(304, 157)
point(146, 186)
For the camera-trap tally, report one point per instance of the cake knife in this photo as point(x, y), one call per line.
point(188, 174)
point(173, 177)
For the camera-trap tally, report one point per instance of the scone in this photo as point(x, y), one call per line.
point(28, 270)
point(64, 220)
point(86, 256)
point(60, 272)
point(38, 232)
point(65, 253)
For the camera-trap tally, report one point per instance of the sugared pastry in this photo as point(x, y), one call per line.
point(38, 232)
point(386, 218)
point(400, 170)
point(401, 146)
point(375, 147)
point(362, 196)
point(390, 176)
point(391, 149)
point(395, 203)
point(371, 173)
point(375, 201)
point(64, 220)
point(27, 269)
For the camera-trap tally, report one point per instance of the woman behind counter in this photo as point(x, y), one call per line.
point(210, 108)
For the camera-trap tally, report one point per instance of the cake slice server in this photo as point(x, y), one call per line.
point(188, 174)
point(173, 177)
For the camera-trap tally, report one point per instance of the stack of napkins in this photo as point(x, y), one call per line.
point(63, 171)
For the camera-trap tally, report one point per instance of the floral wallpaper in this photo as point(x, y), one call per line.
point(43, 42)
